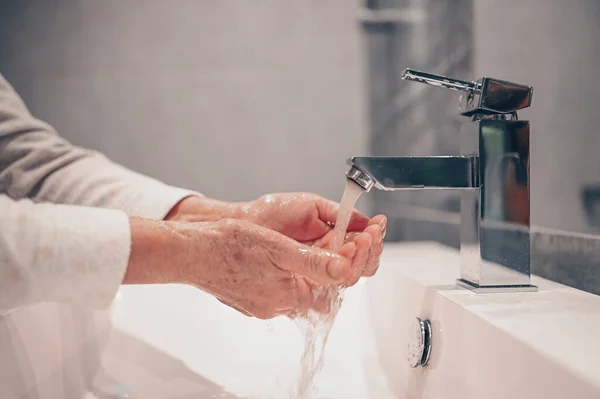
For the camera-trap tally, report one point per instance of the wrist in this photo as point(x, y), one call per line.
point(159, 251)
point(203, 209)
point(251, 211)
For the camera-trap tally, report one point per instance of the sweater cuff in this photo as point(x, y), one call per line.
point(154, 200)
point(91, 249)
point(63, 253)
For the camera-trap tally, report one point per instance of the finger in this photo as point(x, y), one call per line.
point(322, 297)
point(311, 296)
point(323, 266)
point(304, 296)
point(350, 236)
point(348, 250)
point(375, 250)
point(328, 212)
point(321, 301)
point(381, 220)
point(325, 241)
point(363, 244)
point(285, 299)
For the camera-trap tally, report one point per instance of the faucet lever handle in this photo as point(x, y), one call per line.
point(486, 96)
point(439, 81)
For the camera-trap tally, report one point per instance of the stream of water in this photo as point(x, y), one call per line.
point(317, 326)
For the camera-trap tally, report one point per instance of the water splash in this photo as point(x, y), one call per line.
point(317, 326)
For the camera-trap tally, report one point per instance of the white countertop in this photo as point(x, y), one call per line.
point(518, 345)
point(559, 322)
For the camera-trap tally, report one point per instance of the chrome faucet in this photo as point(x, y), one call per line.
point(492, 174)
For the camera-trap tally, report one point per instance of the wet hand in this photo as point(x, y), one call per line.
point(304, 217)
point(261, 272)
point(309, 219)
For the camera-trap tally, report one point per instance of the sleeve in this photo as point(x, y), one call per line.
point(60, 253)
point(38, 164)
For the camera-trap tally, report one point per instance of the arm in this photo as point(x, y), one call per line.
point(60, 253)
point(36, 163)
point(80, 256)
point(64, 253)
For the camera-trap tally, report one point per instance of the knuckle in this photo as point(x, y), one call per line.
point(313, 262)
point(377, 250)
point(265, 200)
point(370, 272)
point(351, 282)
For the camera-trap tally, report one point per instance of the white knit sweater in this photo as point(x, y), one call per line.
point(64, 247)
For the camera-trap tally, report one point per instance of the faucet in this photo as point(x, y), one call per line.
point(492, 173)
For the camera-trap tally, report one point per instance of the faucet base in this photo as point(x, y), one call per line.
point(490, 289)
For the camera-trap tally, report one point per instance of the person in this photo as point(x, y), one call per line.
point(75, 226)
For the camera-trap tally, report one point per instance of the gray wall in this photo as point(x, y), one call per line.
point(553, 45)
point(237, 98)
point(409, 119)
point(233, 98)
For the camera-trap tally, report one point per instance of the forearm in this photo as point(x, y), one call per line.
point(158, 249)
point(30, 150)
point(165, 252)
point(36, 163)
point(96, 181)
point(204, 209)
point(82, 255)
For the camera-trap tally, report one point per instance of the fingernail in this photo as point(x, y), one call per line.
point(335, 268)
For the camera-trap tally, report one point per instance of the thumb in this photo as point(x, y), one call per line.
point(319, 265)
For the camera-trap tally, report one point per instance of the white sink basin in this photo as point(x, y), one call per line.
point(177, 342)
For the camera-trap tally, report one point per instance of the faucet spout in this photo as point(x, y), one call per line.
point(405, 173)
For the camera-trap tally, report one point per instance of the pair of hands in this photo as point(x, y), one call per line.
point(264, 257)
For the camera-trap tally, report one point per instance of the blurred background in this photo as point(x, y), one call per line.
point(232, 98)
point(239, 98)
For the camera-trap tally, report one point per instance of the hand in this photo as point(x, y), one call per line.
point(309, 218)
point(304, 217)
point(253, 269)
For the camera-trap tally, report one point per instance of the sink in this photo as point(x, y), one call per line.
point(177, 342)
point(504, 345)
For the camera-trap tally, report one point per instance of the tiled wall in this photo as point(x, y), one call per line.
point(232, 98)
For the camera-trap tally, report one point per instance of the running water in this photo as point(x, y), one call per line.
point(317, 326)
point(351, 195)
